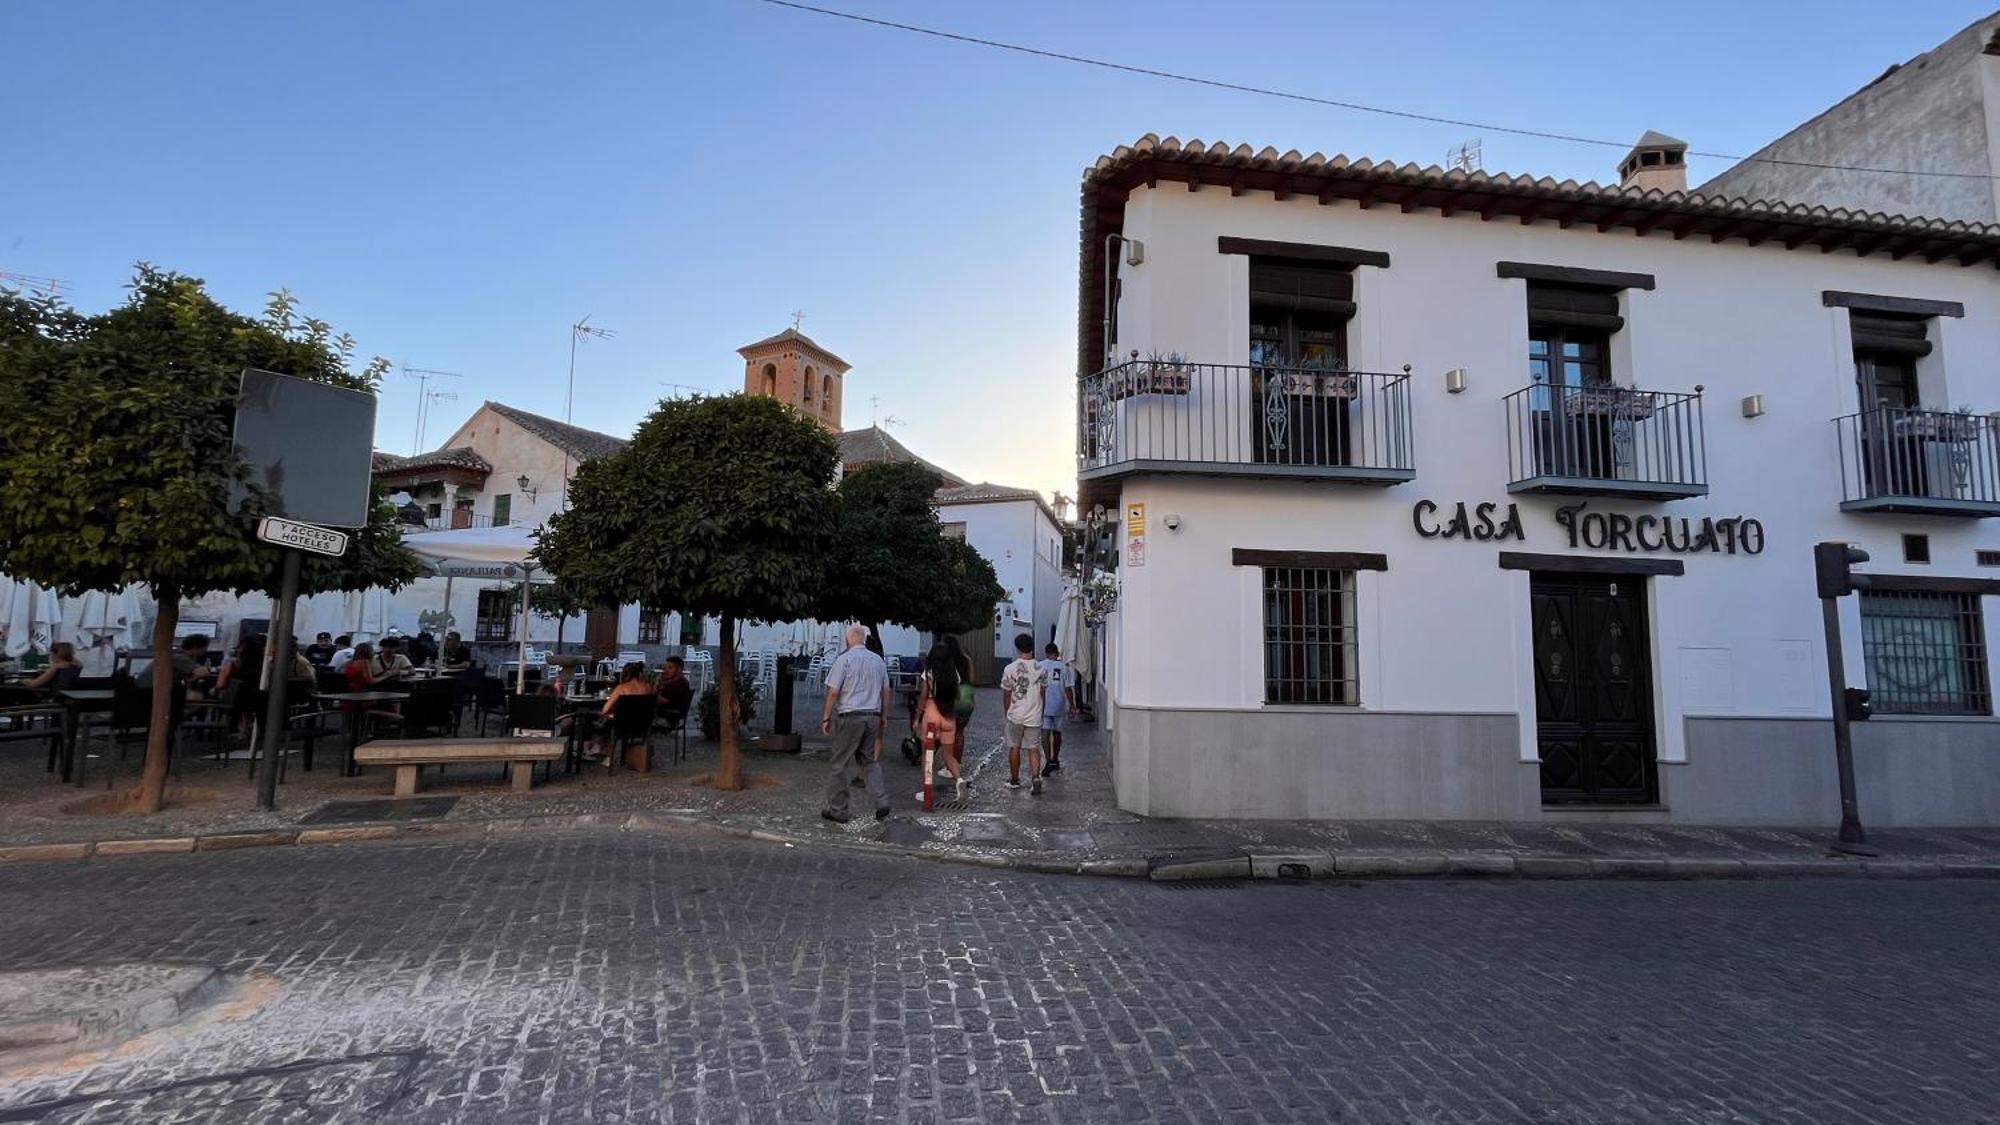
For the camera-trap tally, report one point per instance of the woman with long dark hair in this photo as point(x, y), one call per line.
point(936, 704)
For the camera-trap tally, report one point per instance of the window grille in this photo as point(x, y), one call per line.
point(1309, 636)
point(652, 625)
point(497, 610)
point(1925, 653)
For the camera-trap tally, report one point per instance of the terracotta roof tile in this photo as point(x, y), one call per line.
point(1152, 158)
point(575, 440)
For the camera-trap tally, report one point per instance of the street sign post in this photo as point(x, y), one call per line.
point(302, 536)
point(297, 538)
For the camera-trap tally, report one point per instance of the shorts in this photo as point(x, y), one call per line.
point(1053, 723)
point(1019, 734)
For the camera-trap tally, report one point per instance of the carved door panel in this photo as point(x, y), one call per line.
point(1593, 689)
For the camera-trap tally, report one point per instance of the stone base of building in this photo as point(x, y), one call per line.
point(1359, 765)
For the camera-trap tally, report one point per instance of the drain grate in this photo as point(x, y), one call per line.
point(953, 805)
point(368, 812)
point(1199, 884)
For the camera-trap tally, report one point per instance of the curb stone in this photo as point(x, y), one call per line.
point(1214, 864)
point(164, 845)
point(1481, 866)
point(1552, 867)
point(1389, 866)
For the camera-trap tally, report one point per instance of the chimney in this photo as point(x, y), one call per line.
point(1657, 161)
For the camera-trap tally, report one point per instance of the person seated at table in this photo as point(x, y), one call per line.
point(245, 665)
point(631, 681)
point(62, 671)
point(191, 665)
point(321, 650)
point(390, 664)
point(360, 670)
point(456, 655)
point(343, 651)
point(672, 687)
point(423, 649)
point(302, 669)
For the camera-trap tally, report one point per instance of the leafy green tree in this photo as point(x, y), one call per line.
point(718, 506)
point(115, 443)
point(893, 562)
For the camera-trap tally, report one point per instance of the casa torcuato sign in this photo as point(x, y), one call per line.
point(1596, 530)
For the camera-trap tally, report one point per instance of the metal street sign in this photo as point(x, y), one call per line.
point(303, 536)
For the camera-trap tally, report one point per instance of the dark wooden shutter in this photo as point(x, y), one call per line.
point(1898, 335)
point(1320, 289)
point(1574, 307)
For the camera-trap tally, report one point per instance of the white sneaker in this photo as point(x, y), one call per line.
point(960, 789)
point(942, 772)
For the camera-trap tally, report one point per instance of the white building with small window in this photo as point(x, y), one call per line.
point(1464, 496)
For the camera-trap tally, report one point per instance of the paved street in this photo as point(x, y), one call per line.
point(623, 978)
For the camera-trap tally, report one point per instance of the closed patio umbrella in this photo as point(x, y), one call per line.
point(29, 615)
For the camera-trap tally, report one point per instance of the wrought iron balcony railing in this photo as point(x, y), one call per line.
point(1927, 461)
point(459, 520)
point(1606, 440)
point(1242, 420)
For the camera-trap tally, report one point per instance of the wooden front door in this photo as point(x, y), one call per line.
point(1593, 689)
point(600, 633)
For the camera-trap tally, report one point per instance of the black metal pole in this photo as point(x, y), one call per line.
point(279, 675)
point(1843, 739)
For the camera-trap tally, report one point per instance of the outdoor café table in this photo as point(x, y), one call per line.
point(76, 703)
point(586, 716)
point(353, 716)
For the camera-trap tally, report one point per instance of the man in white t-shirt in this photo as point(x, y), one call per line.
point(1021, 691)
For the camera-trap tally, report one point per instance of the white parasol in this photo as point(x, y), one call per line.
point(100, 623)
point(486, 552)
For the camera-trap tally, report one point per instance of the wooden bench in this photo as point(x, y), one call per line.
point(408, 755)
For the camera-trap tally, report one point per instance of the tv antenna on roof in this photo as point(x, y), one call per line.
point(1465, 157)
point(31, 283)
point(426, 396)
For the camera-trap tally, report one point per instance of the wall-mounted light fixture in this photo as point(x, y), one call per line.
point(526, 488)
point(1135, 252)
point(1753, 406)
point(1173, 521)
point(1454, 381)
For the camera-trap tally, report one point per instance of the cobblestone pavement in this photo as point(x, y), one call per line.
point(1077, 819)
point(552, 978)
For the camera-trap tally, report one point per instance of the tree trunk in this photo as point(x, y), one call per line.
point(153, 778)
point(730, 775)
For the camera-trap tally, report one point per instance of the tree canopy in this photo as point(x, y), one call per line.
point(116, 445)
point(719, 505)
point(892, 561)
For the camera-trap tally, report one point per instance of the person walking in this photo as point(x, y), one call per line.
point(857, 703)
point(938, 694)
point(1021, 690)
point(1058, 700)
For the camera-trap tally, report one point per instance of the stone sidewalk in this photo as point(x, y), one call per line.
point(1075, 826)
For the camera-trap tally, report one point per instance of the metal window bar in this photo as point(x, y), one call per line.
point(1310, 636)
point(1925, 653)
point(1606, 432)
point(1921, 454)
point(495, 615)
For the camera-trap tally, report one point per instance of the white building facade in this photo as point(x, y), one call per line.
point(1453, 496)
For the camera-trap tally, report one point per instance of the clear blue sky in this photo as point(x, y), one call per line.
point(454, 183)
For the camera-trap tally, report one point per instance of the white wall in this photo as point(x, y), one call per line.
point(1025, 547)
point(1444, 629)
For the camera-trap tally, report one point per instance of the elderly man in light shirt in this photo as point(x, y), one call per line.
point(857, 700)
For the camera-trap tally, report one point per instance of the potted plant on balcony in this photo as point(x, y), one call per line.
point(1609, 400)
point(1157, 374)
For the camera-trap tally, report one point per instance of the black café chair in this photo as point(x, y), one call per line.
point(671, 723)
point(632, 725)
point(26, 717)
point(489, 701)
point(131, 721)
point(534, 715)
point(427, 713)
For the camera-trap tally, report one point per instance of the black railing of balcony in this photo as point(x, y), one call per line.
point(1606, 437)
point(1937, 458)
point(458, 520)
point(1247, 419)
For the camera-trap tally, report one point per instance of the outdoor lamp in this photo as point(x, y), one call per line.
point(522, 481)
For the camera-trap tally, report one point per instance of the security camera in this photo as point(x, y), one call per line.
point(1173, 523)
